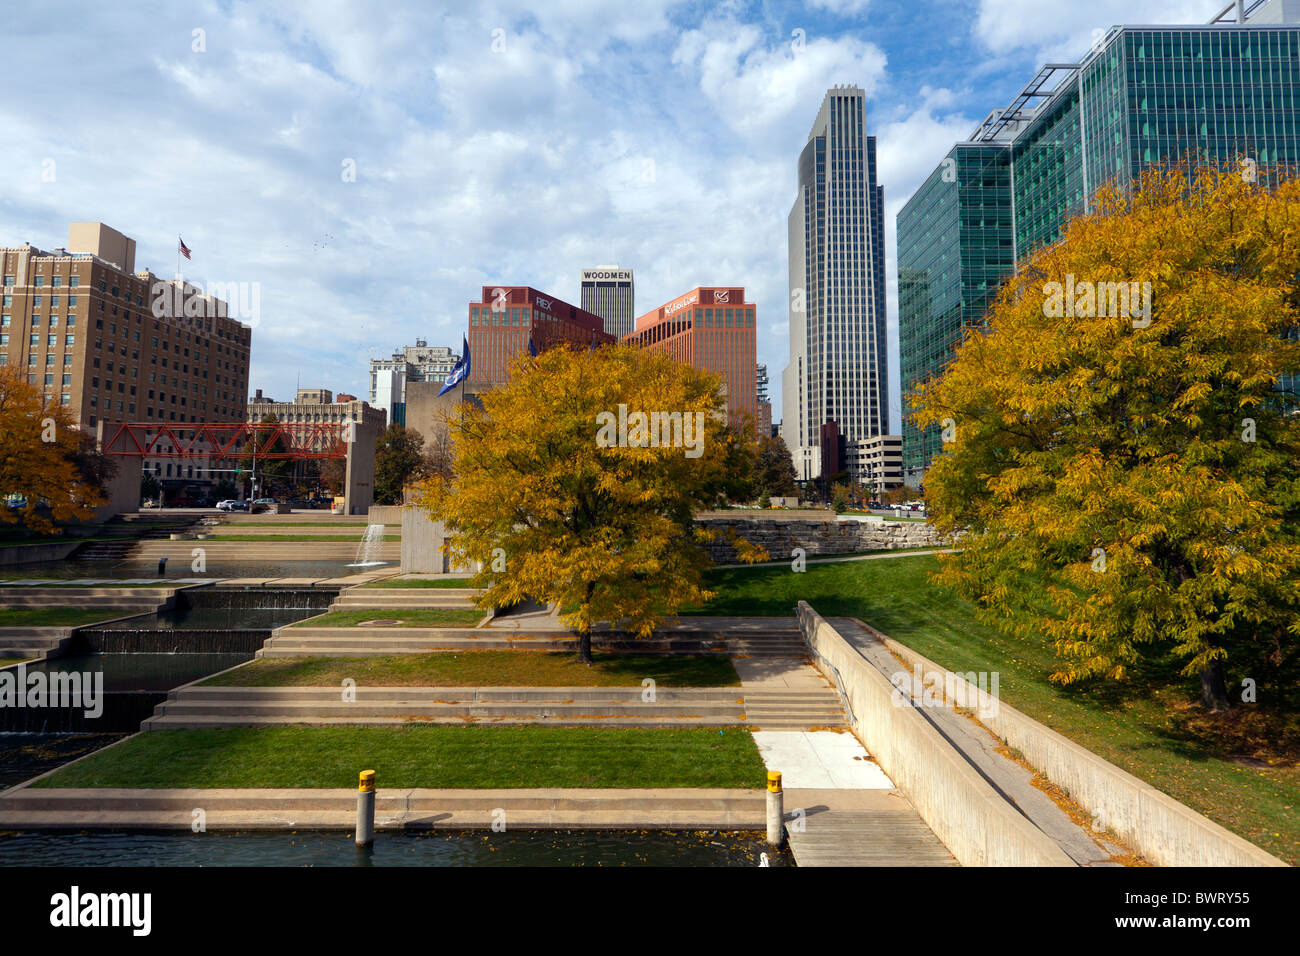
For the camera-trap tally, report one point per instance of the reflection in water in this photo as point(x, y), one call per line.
point(434, 848)
point(23, 756)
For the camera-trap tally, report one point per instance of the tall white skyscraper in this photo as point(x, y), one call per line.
point(837, 371)
point(609, 292)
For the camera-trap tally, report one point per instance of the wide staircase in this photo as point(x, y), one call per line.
point(126, 531)
point(382, 600)
point(759, 709)
point(778, 637)
point(39, 641)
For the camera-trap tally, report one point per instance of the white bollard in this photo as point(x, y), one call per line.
point(775, 809)
point(366, 809)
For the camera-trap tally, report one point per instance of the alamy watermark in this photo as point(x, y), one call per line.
point(64, 689)
point(969, 691)
point(183, 300)
point(651, 430)
point(1098, 300)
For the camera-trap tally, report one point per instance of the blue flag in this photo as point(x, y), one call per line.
point(459, 372)
point(532, 346)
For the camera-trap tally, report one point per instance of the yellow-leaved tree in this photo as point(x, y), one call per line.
point(1124, 443)
point(577, 483)
point(44, 461)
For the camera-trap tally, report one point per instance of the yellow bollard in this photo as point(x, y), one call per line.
point(366, 808)
point(775, 809)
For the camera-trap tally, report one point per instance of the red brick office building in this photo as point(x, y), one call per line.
point(711, 329)
point(500, 322)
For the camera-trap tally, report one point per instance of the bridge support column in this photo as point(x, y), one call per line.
point(122, 491)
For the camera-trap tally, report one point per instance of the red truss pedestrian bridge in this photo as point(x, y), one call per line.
point(263, 440)
point(133, 442)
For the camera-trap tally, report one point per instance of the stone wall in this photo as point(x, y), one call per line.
point(781, 536)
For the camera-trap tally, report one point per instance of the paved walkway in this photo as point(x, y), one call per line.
point(885, 556)
point(980, 748)
point(840, 807)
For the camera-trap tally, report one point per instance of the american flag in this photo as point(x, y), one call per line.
point(185, 250)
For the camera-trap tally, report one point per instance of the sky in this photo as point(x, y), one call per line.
point(371, 166)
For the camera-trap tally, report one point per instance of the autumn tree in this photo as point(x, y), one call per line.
point(774, 468)
point(399, 460)
point(1124, 462)
point(43, 460)
point(565, 494)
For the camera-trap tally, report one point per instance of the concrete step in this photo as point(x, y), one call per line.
point(275, 650)
point(349, 604)
point(60, 596)
point(733, 695)
point(198, 722)
point(116, 603)
point(387, 800)
point(401, 594)
point(688, 808)
point(302, 710)
point(775, 709)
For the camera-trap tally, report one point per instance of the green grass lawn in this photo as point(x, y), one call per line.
point(410, 617)
point(6, 661)
point(483, 669)
point(59, 616)
point(419, 583)
point(1157, 735)
point(445, 757)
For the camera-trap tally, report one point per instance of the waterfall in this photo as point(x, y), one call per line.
point(368, 549)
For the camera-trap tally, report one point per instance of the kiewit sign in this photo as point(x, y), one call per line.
point(680, 304)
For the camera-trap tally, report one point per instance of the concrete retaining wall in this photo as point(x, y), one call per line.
point(27, 553)
point(422, 541)
point(389, 515)
point(1166, 832)
point(818, 536)
point(974, 823)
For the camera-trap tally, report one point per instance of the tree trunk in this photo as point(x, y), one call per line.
point(584, 635)
point(1214, 691)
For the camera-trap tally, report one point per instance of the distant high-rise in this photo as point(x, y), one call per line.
point(711, 328)
point(837, 371)
point(414, 363)
point(507, 318)
point(608, 291)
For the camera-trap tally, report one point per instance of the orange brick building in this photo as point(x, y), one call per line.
point(499, 324)
point(710, 328)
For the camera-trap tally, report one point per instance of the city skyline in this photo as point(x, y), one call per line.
point(468, 126)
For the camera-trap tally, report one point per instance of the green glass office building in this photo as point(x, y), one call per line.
point(954, 250)
point(1144, 95)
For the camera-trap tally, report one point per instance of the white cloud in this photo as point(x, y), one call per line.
point(1063, 30)
point(764, 88)
point(841, 7)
